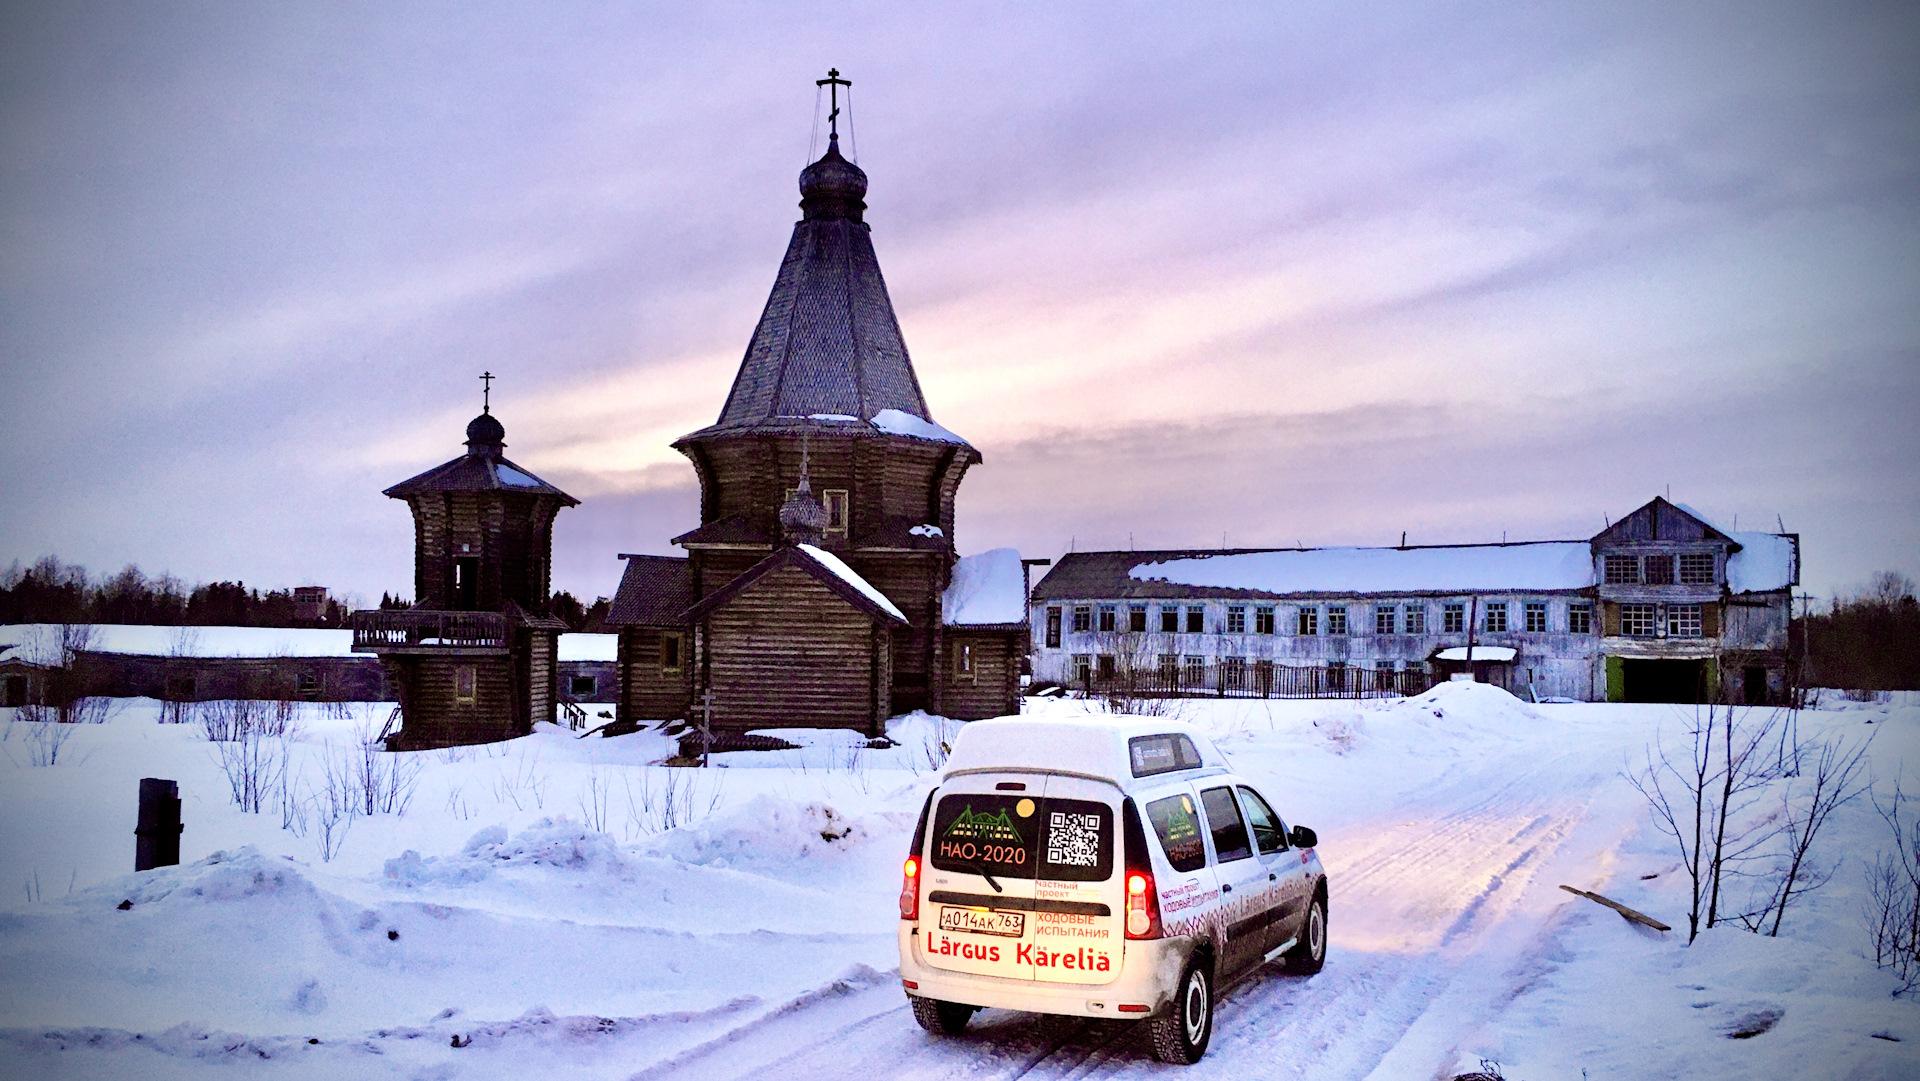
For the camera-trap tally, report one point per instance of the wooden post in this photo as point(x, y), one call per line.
point(157, 830)
point(706, 726)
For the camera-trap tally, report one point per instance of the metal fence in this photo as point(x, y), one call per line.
point(1253, 679)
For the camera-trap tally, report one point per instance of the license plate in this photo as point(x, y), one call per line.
point(979, 922)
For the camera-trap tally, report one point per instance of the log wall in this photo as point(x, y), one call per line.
point(648, 692)
point(787, 652)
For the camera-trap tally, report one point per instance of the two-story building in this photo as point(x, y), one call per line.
point(1660, 606)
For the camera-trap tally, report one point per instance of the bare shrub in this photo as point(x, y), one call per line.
point(678, 797)
point(255, 765)
point(593, 799)
point(1893, 896)
point(1805, 805)
point(45, 736)
point(525, 783)
point(383, 781)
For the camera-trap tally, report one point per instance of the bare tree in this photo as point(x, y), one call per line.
point(1804, 809)
point(1893, 896)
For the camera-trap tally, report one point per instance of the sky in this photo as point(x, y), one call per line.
point(1187, 275)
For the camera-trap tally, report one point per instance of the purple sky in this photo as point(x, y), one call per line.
point(1280, 272)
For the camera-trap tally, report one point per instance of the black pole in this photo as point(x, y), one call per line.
point(157, 835)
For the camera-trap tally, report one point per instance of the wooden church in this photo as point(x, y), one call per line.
point(822, 587)
point(474, 659)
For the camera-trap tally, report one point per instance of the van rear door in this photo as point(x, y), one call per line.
point(1079, 895)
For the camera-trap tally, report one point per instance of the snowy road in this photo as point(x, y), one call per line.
point(1441, 907)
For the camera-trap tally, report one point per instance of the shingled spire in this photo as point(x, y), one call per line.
point(828, 342)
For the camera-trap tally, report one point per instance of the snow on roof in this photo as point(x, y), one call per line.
point(846, 574)
point(986, 588)
point(1533, 565)
point(512, 476)
point(589, 647)
point(1765, 562)
point(898, 422)
point(1480, 653)
point(193, 641)
point(1704, 519)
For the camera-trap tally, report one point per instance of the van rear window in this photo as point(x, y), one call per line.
point(1162, 754)
point(1179, 829)
point(1014, 836)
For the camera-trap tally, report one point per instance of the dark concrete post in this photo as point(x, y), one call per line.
point(157, 835)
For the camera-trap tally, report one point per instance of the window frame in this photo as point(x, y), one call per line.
point(1054, 615)
point(1307, 620)
point(1579, 617)
point(1453, 617)
point(678, 661)
point(466, 684)
point(1337, 619)
point(1213, 833)
point(964, 661)
point(1263, 619)
point(1646, 616)
point(1694, 576)
point(1679, 625)
point(573, 685)
point(1414, 619)
point(1488, 613)
point(1196, 619)
point(1386, 619)
point(1617, 569)
point(1082, 618)
point(1136, 619)
point(1169, 619)
point(839, 510)
point(1534, 612)
point(1236, 619)
point(1109, 618)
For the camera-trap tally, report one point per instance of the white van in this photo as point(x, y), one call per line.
point(1101, 867)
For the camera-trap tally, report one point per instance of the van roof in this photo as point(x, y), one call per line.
point(1090, 746)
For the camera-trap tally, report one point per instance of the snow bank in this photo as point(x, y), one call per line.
point(1539, 565)
point(987, 588)
point(41, 638)
point(766, 831)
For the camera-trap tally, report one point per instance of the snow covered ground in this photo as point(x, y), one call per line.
point(559, 907)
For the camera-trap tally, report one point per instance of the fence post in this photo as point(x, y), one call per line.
point(157, 831)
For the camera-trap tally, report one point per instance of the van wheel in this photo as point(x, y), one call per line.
point(1307, 958)
point(1180, 1037)
point(941, 1018)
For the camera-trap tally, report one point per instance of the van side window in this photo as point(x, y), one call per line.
point(1229, 832)
point(1268, 833)
point(1162, 754)
point(1179, 829)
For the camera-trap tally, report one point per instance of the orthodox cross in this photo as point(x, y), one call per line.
point(705, 708)
point(833, 82)
point(486, 391)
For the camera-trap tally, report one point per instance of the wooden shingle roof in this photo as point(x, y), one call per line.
point(655, 591)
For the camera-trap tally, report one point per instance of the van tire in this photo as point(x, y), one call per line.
point(941, 1018)
point(1310, 955)
point(1180, 1037)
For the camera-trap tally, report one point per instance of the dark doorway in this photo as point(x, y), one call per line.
point(466, 583)
point(13, 691)
point(1665, 681)
point(1754, 683)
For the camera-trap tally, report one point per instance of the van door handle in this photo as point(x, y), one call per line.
point(1226, 887)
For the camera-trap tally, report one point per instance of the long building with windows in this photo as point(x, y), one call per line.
point(1663, 605)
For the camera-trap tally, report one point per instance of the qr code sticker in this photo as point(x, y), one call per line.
point(1073, 840)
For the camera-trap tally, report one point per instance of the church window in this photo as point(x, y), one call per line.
point(463, 684)
point(1336, 619)
point(1416, 620)
point(963, 660)
point(670, 652)
point(1196, 619)
point(1263, 619)
point(466, 583)
point(1496, 617)
point(1657, 570)
point(1109, 618)
point(1169, 619)
point(1580, 618)
point(1696, 568)
point(1536, 617)
point(1082, 618)
point(1309, 621)
point(1236, 619)
point(1385, 618)
point(1053, 628)
point(1453, 618)
point(1137, 618)
point(835, 500)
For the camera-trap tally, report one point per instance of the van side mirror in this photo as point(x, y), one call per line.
point(1302, 837)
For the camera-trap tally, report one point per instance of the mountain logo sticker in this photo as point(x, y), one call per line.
point(983, 827)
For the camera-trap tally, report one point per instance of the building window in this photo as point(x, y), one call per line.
point(1336, 619)
point(1236, 619)
point(1416, 619)
point(1580, 618)
point(1082, 618)
point(1233, 671)
point(1657, 570)
point(1082, 668)
point(1309, 621)
point(1169, 619)
point(1683, 621)
point(1263, 619)
point(1196, 672)
point(1696, 568)
point(1536, 617)
point(1622, 570)
point(963, 660)
point(1637, 620)
point(179, 688)
point(1336, 675)
point(1496, 617)
point(1169, 667)
point(1386, 619)
point(1196, 619)
point(835, 501)
point(1106, 668)
point(1453, 618)
point(13, 691)
point(463, 684)
point(306, 685)
point(1137, 618)
point(669, 653)
point(1053, 628)
point(1109, 617)
point(582, 686)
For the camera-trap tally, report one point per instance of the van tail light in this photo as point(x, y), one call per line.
point(910, 890)
point(910, 878)
point(1143, 899)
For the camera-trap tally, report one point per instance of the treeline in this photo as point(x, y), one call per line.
point(1867, 642)
point(50, 591)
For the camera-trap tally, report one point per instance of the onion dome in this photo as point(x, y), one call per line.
point(833, 187)
point(485, 435)
point(802, 518)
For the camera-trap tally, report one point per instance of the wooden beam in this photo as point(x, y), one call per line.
point(1627, 913)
